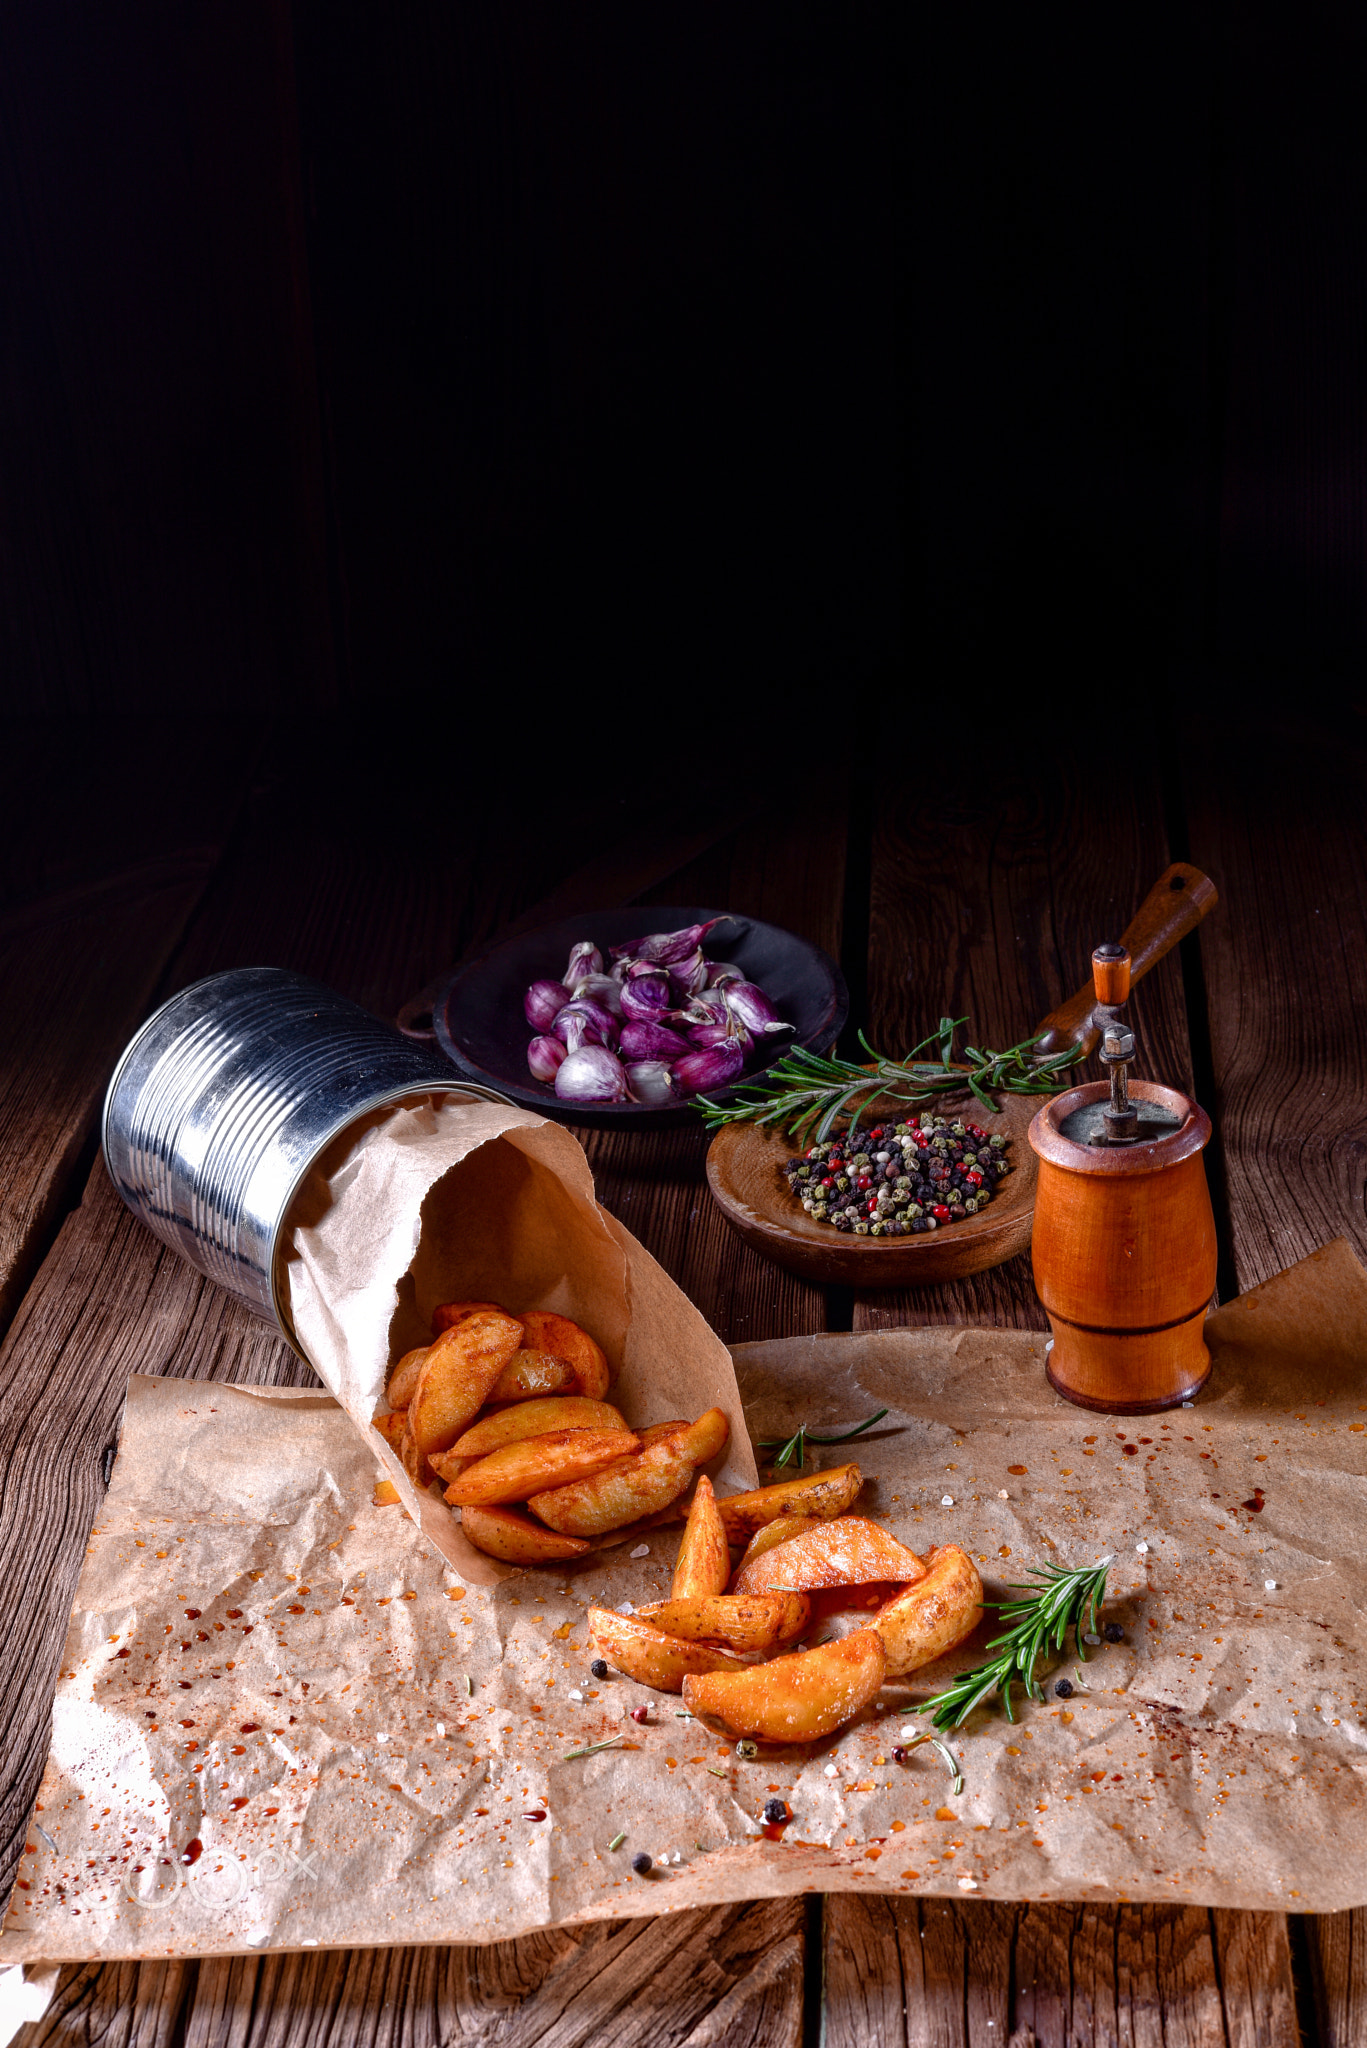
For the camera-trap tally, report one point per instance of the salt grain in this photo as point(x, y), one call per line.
point(1003, 1495)
point(626, 1608)
point(1269, 1585)
point(831, 1771)
point(575, 1694)
point(1142, 1548)
point(909, 1731)
point(641, 1550)
point(441, 1727)
point(968, 1884)
point(382, 1738)
point(946, 1500)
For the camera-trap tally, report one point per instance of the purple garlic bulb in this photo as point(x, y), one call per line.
point(541, 1002)
point(649, 1082)
point(651, 1042)
point(688, 977)
point(710, 1068)
point(733, 1032)
point(603, 988)
point(646, 998)
point(593, 1074)
point(753, 1007)
point(722, 971)
point(585, 958)
point(585, 1022)
point(544, 1056)
point(665, 948)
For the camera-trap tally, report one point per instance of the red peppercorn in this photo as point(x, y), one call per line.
point(829, 1181)
point(940, 1213)
point(976, 1179)
point(640, 1714)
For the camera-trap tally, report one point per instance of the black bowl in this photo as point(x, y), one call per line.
point(480, 1026)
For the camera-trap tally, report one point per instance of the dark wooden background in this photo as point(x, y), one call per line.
point(901, 475)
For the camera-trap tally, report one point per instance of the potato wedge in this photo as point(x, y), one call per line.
point(755, 1621)
point(627, 1490)
point(449, 1313)
point(798, 1698)
point(534, 1418)
point(517, 1539)
point(645, 1653)
point(771, 1535)
point(821, 1495)
point(534, 1376)
point(698, 1441)
point(933, 1616)
point(391, 1427)
point(448, 1467)
point(849, 1551)
point(704, 1561)
point(517, 1471)
point(461, 1367)
point(414, 1463)
point(564, 1339)
point(403, 1380)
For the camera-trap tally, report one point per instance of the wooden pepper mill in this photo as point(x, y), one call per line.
point(1124, 1238)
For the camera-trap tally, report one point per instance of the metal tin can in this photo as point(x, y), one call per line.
point(222, 1102)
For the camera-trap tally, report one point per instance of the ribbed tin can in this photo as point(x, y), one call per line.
point(222, 1102)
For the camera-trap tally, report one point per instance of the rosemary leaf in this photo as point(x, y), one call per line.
point(1040, 1620)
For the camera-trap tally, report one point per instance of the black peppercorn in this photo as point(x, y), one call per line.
point(598, 1669)
point(1113, 1632)
point(899, 1755)
point(775, 1810)
point(1064, 1689)
point(642, 1864)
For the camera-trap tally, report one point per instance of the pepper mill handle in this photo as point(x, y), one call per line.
point(1111, 973)
point(1175, 905)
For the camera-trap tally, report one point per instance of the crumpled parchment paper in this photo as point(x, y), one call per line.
point(479, 1201)
point(284, 1721)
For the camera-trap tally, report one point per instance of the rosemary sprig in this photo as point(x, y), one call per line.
point(793, 1450)
point(613, 1742)
point(1041, 1618)
point(806, 1089)
point(947, 1754)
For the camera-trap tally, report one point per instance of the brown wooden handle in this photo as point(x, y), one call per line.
point(1111, 974)
point(1175, 905)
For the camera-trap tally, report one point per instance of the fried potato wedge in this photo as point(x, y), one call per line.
point(517, 1539)
point(392, 1427)
point(700, 1441)
point(771, 1535)
point(755, 1621)
point(924, 1621)
point(461, 1367)
point(645, 1653)
point(414, 1462)
point(704, 1562)
point(449, 1313)
point(626, 1491)
point(448, 1467)
point(798, 1698)
point(535, 1418)
point(533, 1376)
point(849, 1551)
point(818, 1495)
point(564, 1339)
point(403, 1381)
point(519, 1470)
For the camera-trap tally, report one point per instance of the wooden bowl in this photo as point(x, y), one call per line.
point(745, 1173)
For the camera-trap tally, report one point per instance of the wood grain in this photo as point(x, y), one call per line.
point(991, 885)
point(726, 1978)
point(930, 1971)
point(1285, 965)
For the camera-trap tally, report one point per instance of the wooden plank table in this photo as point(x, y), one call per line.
point(940, 892)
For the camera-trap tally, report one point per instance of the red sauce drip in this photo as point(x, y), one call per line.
point(532, 1812)
point(773, 1830)
point(1257, 1504)
point(194, 1849)
point(249, 1728)
point(238, 1805)
point(1130, 1450)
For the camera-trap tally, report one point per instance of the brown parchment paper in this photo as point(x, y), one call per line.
point(448, 1200)
point(268, 1676)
